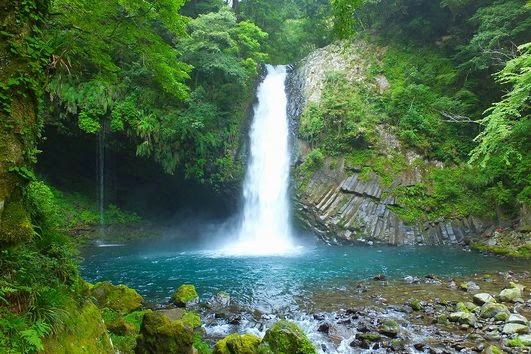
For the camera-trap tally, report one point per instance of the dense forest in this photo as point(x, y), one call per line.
point(170, 84)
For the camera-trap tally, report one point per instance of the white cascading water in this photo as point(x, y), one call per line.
point(265, 227)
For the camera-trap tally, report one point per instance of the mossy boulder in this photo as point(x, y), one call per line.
point(492, 349)
point(237, 344)
point(15, 223)
point(159, 335)
point(286, 337)
point(494, 310)
point(416, 305)
point(390, 328)
point(463, 318)
point(86, 334)
point(119, 298)
point(186, 295)
point(191, 319)
point(510, 294)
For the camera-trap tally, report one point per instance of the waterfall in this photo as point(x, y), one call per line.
point(265, 227)
point(100, 163)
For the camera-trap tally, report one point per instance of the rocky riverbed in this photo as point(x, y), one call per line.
point(481, 314)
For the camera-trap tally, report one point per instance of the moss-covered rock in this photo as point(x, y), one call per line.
point(119, 298)
point(159, 335)
point(510, 294)
point(238, 344)
point(286, 337)
point(86, 334)
point(191, 319)
point(186, 295)
point(416, 305)
point(494, 310)
point(15, 223)
point(124, 329)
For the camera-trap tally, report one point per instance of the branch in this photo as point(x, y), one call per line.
point(456, 118)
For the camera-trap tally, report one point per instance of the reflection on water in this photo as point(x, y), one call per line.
point(275, 283)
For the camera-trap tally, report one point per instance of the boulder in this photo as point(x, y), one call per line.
point(469, 286)
point(494, 310)
point(389, 328)
point(463, 318)
point(512, 328)
point(237, 344)
point(525, 340)
point(483, 298)
point(516, 318)
point(185, 295)
point(119, 298)
point(221, 299)
point(416, 305)
point(285, 337)
point(160, 335)
point(510, 295)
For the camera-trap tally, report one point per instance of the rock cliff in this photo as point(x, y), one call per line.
point(340, 202)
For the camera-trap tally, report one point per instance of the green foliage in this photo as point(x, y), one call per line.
point(341, 120)
point(344, 20)
point(295, 27)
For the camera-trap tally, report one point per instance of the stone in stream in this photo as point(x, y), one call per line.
point(221, 299)
point(512, 328)
point(525, 340)
point(286, 337)
point(492, 349)
point(185, 296)
point(389, 328)
point(483, 298)
point(463, 317)
point(516, 318)
point(494, 310)
point(469, 286)
point(510, 295)
point(237, 344)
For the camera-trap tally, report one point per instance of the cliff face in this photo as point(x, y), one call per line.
point(340, 201)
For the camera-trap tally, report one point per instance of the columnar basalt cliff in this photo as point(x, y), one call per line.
point(339, 201)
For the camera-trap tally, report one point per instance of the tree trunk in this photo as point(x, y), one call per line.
point(21, 76)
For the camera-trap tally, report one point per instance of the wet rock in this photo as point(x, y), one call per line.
point(483, 298)
point(237, 344)
point(158, 334)
point(324, 328)
point(465, 306)
point(516, 318)
point(419, 346)
point(286, 337)
point(185, 295)
point(389, 328)
point(321, 317)
point(510, 295)
point(235, 320)
point(469, 286)
point(411, 280)
point(462, 317)
point(221, 299)
point(379, 277)
point(512, 328)
point(494, 310)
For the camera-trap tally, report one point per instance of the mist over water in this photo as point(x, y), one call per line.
point(265, 227)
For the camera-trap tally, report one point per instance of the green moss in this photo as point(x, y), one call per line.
point(15, 223)
point(85, 333)
point(237, 344)
point(160, 335)
point(523, 251)
point(515, 343)
point(119, 298)
point(184, 295)
point(416, 305)
point(192, 319)
point(369, 336)
point(201, 346)
point(285, 337)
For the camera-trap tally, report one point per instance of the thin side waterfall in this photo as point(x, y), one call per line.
point(265, 227)
point(101, 175)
